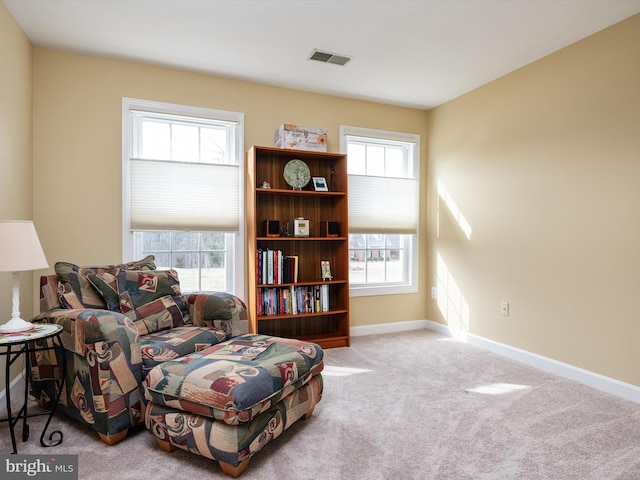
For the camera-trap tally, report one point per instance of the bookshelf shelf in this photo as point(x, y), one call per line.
point(300, 284)
point(266, 318)
point(303, 239)
point(289, 192)
point(268, 290)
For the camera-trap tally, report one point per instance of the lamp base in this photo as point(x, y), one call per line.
point(16, 325)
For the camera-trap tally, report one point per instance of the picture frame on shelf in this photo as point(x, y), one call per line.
point(325, 268)
point(320, 184)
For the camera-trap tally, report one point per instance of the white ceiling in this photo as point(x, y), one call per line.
point(417, 53)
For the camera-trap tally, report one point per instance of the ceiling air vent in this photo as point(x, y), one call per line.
point(327, 57)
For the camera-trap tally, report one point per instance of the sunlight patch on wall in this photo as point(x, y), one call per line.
point(451, 302)
point(498, 388)
point(330, 371)
point(453, 208)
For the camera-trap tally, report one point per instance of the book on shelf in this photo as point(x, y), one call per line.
point(291, 269)
point(324, 295)
point(269, 267)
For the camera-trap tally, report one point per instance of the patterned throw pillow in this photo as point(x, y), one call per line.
point(152, 299)
point(107, 285)
point(77, 292)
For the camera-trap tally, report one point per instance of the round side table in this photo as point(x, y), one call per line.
point(13, 346)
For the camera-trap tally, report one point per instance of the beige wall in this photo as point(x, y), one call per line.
point(16, 190)
point(544, 166)
point(78, 148)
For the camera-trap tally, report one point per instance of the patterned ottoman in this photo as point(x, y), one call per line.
point(228, 401)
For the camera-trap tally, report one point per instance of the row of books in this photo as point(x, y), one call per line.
point(275, 268)
point(293, 300)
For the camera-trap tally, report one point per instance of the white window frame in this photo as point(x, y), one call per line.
point(236, 278)
point(412, 243)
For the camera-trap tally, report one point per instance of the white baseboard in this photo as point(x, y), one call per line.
point(389, 328)
point(609, 385)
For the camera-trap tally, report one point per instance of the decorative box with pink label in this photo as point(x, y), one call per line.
point(301, 138)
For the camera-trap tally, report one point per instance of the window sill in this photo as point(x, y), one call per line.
point(375, 290)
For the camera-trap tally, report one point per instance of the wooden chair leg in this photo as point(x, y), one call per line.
point(232, 471)
point(113, 439)
point(166, 446)
point(309, 413)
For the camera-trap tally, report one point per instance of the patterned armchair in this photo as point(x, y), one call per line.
point(119, 321)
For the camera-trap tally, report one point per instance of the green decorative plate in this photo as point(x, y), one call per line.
point(296, 174)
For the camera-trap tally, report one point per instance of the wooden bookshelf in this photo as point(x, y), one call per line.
point(281, 203)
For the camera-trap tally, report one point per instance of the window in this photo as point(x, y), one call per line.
point(384, 193)
point(183, 192)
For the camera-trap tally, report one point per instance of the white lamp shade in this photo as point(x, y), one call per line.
point(20, 247)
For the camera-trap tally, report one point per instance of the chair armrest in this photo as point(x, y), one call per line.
point(86, 329)
point(104, 369)
point(219, 310)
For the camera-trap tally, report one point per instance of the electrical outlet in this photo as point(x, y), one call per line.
point(504, 308)
point(434, 292)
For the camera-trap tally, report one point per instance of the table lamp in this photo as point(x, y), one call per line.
point(20, 251)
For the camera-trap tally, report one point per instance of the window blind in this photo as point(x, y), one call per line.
point(383, 205)
point(167, 195)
